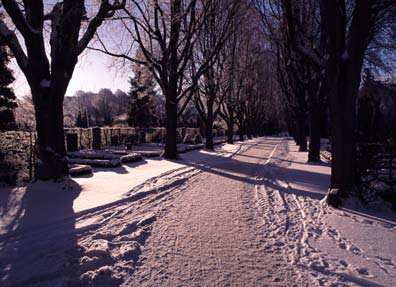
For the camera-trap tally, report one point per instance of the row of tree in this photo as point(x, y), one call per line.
point(321, 48)
point(49, 73)
point(180, 42)
point(259, 65)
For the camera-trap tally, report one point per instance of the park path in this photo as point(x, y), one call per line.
point(250, 217)
point(211, 234)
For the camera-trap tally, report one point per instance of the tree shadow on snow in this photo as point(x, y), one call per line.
point(302, 182)
point(237, 168)
point(386, 218)
point(41, 242)
point(320, 163)
point(120, 169)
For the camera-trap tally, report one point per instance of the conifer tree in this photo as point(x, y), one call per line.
point(82, 119)
point(7, 96)
point(141, 110)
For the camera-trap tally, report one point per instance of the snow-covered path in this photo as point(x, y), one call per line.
point(253, 219)
point(209, 236)
point(256, 220)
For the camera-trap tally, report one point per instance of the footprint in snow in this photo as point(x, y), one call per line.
point(316, 231)
point(107, 214)
point(366, 221)
point(355, 250)
point(388, 225)
point(385, 261)
point(344, 263)
point(363, 271)
point(279, 243)
point(333, 233)
point(345, 214)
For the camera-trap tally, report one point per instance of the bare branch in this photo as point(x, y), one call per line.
point(106, 10)
point(12, 42)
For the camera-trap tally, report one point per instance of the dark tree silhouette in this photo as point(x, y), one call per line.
point(166, 33)
point(7, 96)
point(347, 39)
point(49, 74)
point(82, 119)
point(141, 110)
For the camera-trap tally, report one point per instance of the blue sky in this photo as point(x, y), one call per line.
point(93, 72)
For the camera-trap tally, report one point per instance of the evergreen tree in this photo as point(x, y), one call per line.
point(104, 106)
point(79, 120)
point(141, 110)
point(7, 96)
point(82, 119)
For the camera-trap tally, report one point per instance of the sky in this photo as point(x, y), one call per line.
point(93, 72)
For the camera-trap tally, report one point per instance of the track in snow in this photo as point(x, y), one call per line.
point(209, 236)
point(230, 221)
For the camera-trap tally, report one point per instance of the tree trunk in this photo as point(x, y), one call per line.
point(314, 136)
point(241, 133)
point(316, 93)
point(173, 79)
point(230, 132)
point(296, 137)
point(209, 125)
point(51, 152)
point(171, 127)
point(302, 136)
point(343, 138)
point(346, 53)
point(249, 131)
point(295, 133)
point(303, 142)
point(209, 135)
point(343, 148)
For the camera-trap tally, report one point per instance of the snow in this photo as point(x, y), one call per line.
point(104, 186)
point(244, 214)
point(353, 245)
point(78, 169)
point(97, 191)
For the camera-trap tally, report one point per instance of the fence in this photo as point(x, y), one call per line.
point(18, 148)
point(121, 136)
point(17, 156)
point(376, 164)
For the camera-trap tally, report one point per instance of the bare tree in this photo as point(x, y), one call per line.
point(304, 50)
point(348, 29)
point(212, 86)
point(229, 88)
point(293, 27)
point(49, 75)
point(166, 32)
point(249, 67)
point(321, 57)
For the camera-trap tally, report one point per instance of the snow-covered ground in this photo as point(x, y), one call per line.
point(105, 186)
point(247, 214)
point(352, 246)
